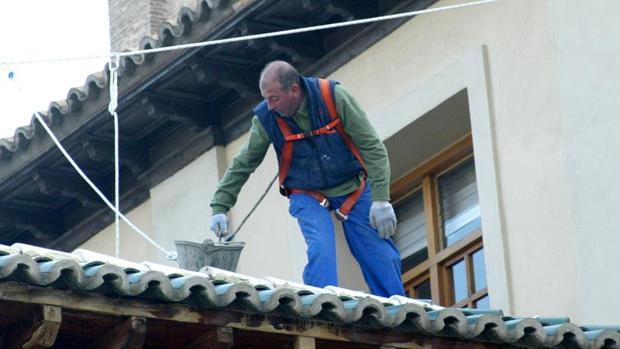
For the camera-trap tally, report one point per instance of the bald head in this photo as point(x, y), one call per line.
point(279, 71)
point(280, 85)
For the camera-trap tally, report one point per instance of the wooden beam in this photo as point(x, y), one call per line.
point(214, 338)
point(135, 157)
point(304, 343)
point(300, 52)
point(158, 108)
point(39, 330)
point(450, 343)
point(88, 302)
point(129, 334)
point(44, 227)
point(68, 185)
point(243, 79)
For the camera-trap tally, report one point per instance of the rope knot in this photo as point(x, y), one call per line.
point(113, 66)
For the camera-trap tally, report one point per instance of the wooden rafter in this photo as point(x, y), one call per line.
point(129, 334)
point(70, 185)
point(214, 338)
point(184, 314)
point(304, 343)
point(36, 330)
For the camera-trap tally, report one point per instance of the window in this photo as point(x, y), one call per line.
point(439, 230)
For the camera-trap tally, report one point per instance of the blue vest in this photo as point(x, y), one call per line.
point(318, 162)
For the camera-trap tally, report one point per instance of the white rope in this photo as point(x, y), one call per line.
point(114, 62)
point(267, 35)
point(114, 59)
point(304, 30)
point(171, 255)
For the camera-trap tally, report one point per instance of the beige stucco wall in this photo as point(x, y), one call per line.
point(551, 96)
point(544, 129)
point(586, 35)
point(132, 246)
point(522, 79)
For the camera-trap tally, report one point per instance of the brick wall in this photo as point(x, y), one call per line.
point(131, 20)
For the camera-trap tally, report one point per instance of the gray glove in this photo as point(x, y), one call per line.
point(382, 218)
point(219, 224)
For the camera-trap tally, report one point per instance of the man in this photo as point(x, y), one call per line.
point(326, 148)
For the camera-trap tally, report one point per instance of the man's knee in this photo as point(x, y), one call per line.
point(320, 250)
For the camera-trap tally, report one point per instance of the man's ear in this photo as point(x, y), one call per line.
point(295, 89)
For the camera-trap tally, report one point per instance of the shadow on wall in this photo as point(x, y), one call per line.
point(428, 134)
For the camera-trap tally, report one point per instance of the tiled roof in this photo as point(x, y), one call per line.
point(97, 82)
point(87, 271)
point(56, 111)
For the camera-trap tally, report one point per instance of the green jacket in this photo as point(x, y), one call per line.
point(355, 123)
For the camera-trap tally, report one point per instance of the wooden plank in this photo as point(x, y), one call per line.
point(129, 334)
point(39, 330)
point(431, 211)
point(471, 287)
point(91, 302)
point(437, 292)
point(433, 233)
point(214, 338)
point(445, 343)
point(304, 343)
point(88, 302)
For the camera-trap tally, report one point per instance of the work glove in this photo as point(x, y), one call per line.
point(219, 224)
point(382, 218)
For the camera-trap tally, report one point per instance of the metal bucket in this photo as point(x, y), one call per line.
point(194, 256)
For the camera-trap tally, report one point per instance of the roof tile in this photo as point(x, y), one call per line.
point(91, 272)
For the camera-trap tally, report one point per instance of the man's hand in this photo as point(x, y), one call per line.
point(382, 218)
point(219, 224)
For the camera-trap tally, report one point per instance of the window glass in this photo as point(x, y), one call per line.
point(412, 261)
point(458, 196)
point(459, 281)
point(482, 303)
point(410, 237)
point(423, 291)
point(480, 278)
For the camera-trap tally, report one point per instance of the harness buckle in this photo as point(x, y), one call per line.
point(340, 216)
point(284, 191)
point(324, 203)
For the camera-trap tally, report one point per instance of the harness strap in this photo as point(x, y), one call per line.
point(342, 213)
point(287, 154)
point(329, 128)
point(315, 194)
point(333, 114)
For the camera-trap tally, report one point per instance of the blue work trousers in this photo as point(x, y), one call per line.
point(379, 259)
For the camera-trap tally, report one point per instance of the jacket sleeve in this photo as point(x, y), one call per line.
point(245, 162)
point(363, 134)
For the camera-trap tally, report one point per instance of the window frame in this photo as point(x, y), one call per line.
point(440, 259)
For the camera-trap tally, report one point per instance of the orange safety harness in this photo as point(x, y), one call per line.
point(334, 126)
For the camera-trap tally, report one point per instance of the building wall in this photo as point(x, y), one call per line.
point(132, 246)
point(588, 59)
point(541, 89)
point(551, 98)
point(130, 21)
point(528, 144)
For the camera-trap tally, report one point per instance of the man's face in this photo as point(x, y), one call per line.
point(284, 102)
